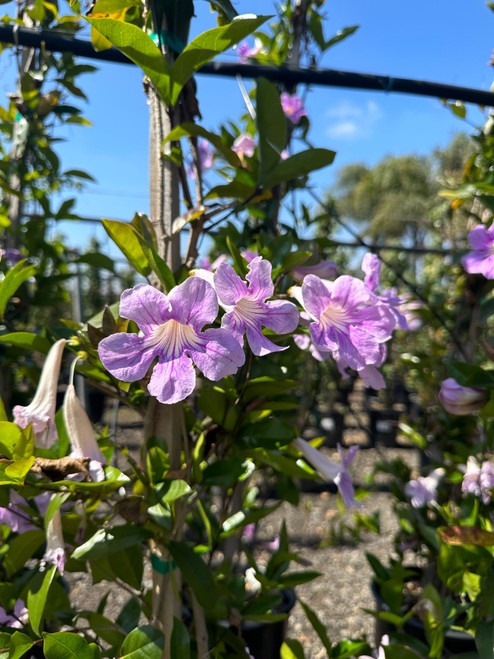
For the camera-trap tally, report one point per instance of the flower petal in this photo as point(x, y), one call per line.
point(259, 344)
point(145, 305)
point(222, 354)
point(194, 302)
point(261, 285)
point(172, 381)
point(281, 317)
point(316, 296)
point(229, 286)
point(126, 356)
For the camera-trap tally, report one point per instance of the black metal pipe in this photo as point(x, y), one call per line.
point(56, 42)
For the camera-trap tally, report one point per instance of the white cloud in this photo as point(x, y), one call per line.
point(348, 121)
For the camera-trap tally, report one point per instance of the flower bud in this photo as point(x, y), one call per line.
point(460, 400)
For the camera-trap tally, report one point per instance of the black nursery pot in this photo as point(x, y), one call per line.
point(264, 639)
point(455, 642)
point(383, 426)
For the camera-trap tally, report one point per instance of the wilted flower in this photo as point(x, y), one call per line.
point(247, 309)
point(41, 411)
point(81, 434)
point(424, 488)
point(244, 144)
point(481, 260)
point(171, 329)
point(293, 107)
point(331, 471)
point(460, 400)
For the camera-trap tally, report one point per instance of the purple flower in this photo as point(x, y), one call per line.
point(206, 264)
point(19, 617)
point(347, 321)
point(247, 309)
point(244, 51)
point(206, 154)
point(486, 480)
point(11, 256)
point(15, 515)
point(323, 269)
point(249, 254)
point(41, 411)
point(371, 265)
point(481, 260)
point(293, 107)
point(171, 329)
point(332, 471)
point(460, 400)
point(244, 144)
point(424, 488)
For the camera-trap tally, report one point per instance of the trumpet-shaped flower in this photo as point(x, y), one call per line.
point(55, 546)
point(481, 259)
point(293, 107)
point(346, 320)
point(244, 144)
point(81, 434)
point(247, 309)
point(171, 330)
point(41, 411)
point(424, 488)
point(459, 400)
point(331, 471)
point(371, 265)
point(478, 479)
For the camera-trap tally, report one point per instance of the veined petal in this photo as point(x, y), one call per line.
point(260, 344)
point(259, 277)
point(172, 381)
point(229, 286)
point(145, 305)
point(281, 317)
point(326, 468)
point(351, 293)
point(221, 355)
point(316, 296)
point(194, 302)
point(126, 356)
point(480, 238)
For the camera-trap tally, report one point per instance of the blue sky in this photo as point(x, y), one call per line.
point(448, 41)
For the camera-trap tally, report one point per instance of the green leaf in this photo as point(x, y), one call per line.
point(238, 260)
point(317, 625)
point(108, 541)
point(341, 34)
point(158, 265)
point(3, 413)
point(10, 434)
point(191, 129)
point(292, 649)
point(21, 549)
point(145, 642)
point(128, 566)
point(24, 447)
point(27, 340)
point(206, 46)
point(195, 572)
point(97, 260)
point(484, 639)
point(235, 189)
point(138, 47)
point(300, 164)
point(127, 239)
point(39, 587)
point(19, 644)
point(19, 470)
point(223, 6)
point(180, 640)
point(271, 125)
point(13, 279)
point(67, 645)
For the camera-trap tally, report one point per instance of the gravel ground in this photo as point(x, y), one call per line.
point(343, 591)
